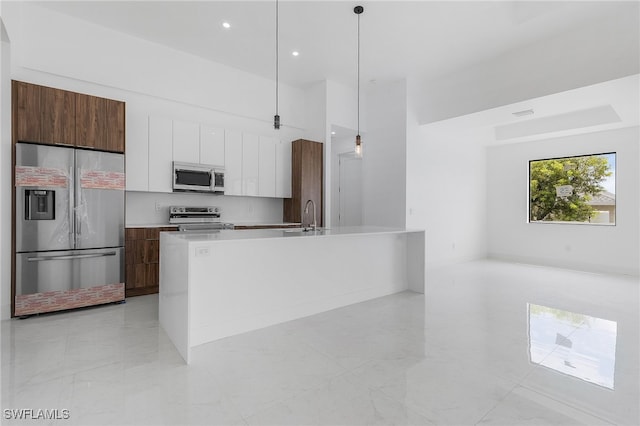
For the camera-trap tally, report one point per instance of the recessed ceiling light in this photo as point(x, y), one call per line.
point(226, 25)
point(295, 53)
point(333, 133)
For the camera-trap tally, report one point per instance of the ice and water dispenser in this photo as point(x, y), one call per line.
point(39, 204)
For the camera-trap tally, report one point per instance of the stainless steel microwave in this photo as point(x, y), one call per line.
point(198, 178)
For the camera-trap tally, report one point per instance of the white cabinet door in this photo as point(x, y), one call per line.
point(186, 142)
point(267, 167)
point(160, 154)
point(233, 163)
point(283, 169)
point(250, 156)
point(137, 153)
point(211, 145)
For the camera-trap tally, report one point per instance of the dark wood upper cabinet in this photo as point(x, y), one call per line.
point(53, 116)
point(27, 121)
point(306, 182)
point(115, 129)
point(58, 116)
point(90, 121)
point(99, 123)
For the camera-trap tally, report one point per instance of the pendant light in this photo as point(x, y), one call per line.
point(358, 149)
point(276, 118)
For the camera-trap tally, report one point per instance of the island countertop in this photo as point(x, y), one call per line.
point(261, 234)
point(218, 284)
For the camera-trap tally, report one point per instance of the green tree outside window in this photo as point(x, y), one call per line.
point(561, 189)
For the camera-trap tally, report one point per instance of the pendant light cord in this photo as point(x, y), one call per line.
point(276, 118)
point(277, 57)
point(358, 72)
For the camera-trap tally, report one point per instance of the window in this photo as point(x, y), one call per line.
point(573, 189)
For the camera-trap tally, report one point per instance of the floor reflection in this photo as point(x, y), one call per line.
point(579, 345)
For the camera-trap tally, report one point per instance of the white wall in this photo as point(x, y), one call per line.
point(446, 195)
point(316, 112)
point(5, 172)
point(613, 249)
point(141, 207)
point(384, 155)
point(341, 104)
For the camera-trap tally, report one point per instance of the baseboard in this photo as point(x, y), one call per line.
point(451, 262)
point(575, 266)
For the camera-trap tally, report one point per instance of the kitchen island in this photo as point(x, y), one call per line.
point(218, 284)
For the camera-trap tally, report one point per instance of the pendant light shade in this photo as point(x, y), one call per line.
point(358, 148)
point(276, 118)
point(358, 145)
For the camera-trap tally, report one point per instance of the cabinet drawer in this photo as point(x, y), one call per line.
point(134, 233)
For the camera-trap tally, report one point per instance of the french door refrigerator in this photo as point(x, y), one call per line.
point(69, 228)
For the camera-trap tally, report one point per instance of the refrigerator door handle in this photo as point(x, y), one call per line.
point(78, 197)
point(27, 207)
point(70, 256)
point(72, 224)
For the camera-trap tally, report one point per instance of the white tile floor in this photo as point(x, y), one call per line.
point(460, 355)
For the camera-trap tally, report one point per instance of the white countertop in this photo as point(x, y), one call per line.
point(161, 225)
point(260, 234)
point(150, 225)
point(283, 224)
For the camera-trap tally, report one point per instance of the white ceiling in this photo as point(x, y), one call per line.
point(427, 39)
point(609, 105)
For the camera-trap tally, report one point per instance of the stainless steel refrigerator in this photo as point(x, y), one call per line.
point(69, 228)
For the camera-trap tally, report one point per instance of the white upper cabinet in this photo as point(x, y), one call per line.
point(211, 145)
point(160, 154)
point(250, 163)
point(233, 163)
point(258, 166)
point(283, 169)
point(137, 153)
point(267, 167)
point(186, 142)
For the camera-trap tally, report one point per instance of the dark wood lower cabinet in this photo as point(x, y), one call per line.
point(142, 257)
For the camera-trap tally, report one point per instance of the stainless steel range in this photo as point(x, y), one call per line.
point(197, 219)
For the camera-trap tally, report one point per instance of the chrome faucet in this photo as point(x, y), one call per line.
point(306, 211)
